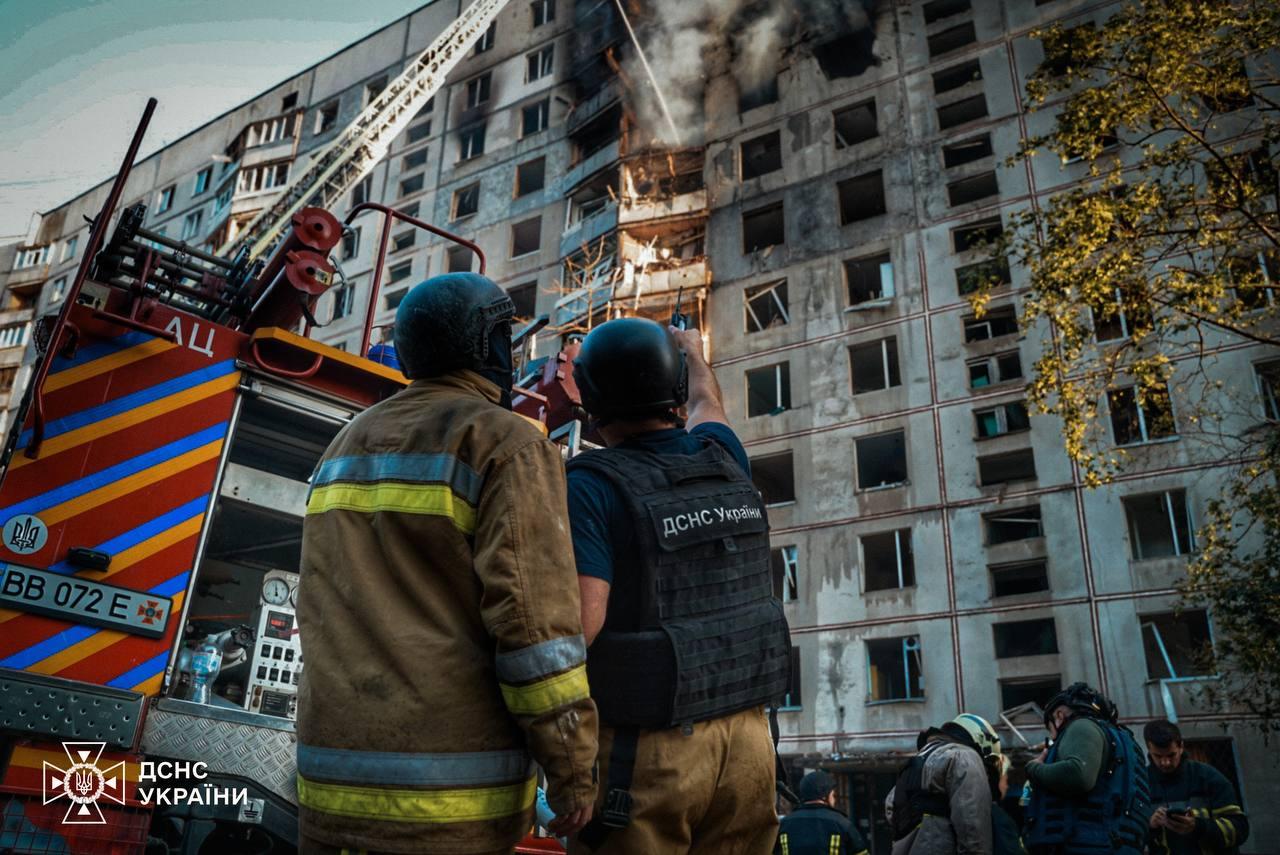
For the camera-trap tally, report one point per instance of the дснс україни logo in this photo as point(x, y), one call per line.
point(83, 783)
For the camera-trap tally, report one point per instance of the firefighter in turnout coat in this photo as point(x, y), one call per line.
point(439, 607)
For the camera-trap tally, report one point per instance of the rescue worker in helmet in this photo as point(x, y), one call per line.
point(438, 607)
point(942, 801)
point(687, 643)
point(1089, 787)
point(816, 827)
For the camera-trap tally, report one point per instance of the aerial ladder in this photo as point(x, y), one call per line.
point(151, 501)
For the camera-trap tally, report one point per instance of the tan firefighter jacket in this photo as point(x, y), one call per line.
point(439, 617)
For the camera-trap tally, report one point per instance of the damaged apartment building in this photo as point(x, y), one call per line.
point(814, 182)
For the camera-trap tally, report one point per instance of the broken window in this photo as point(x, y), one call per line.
point(531, 176)
point(471, 142)
point(980, 235)
point(766, 306)
point(164, 200)
point(997, 368)
point(326, 116)
point(525, 298)
point(404, 240)
point(597, 133)
point(956, 76)
point(786, 565)
point(972, 189)
point(869, 279)
point(1006, 526)
point(458, 259)
point(466, 201)
point(535, 117)
point(791, 700)
point(1133, 422)
point(289, 102)
point(966, 151)
point(936, 10)
point(399, 272)
point(415, 160)
point(419, 132)
point(342, 300)
point(861, 197)
point(1159, 525)
point(1268, 377)
point(1017, 691)
point(350, 242)
point(765, 93)
point(1007, 468)
point(1121, 318)
point(989, 273)
point(373, 88)
point(774, 477)
point(998, 421)
point(1025, 638)
point(1177, 645)
point(592, 197)
point(762, 227)
point(856, 123)
point(362, 191)
point(393, 299)
point(962, 111)
point(411, 185)
point(486, 41)
point(539, 63)
point(874, 365)
point(761, 155)
point(951, 39)
point(1019, 577)
point(996, 322)
point(769, 390)
point(887, 560)
point(478, 90)
point(894, 669)
point(544, 11)
point(882, 460)
point(526, 237)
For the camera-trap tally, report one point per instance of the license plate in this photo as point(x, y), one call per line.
point(83, 601)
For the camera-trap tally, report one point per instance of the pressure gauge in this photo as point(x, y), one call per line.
point(293, 596)
point(275, 591)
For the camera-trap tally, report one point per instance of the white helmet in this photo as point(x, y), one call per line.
point(980, 730)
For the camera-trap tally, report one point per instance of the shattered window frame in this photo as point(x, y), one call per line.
point(857, 273)
point(763, 401)
point(994, 369)
point(992, 325)
point(466, 201)
point(760, 155)
point(785, 561)
point(902, 572)
point(776, 470)
point(773, 295)
point(520, 235)
point(1163, 530)
point(885, 656)
point(855, 130)
point(1030, 574)
point(524, 177)
point(861, 197)
point(1001, 420)
point(758, 215)
point(1012, 525)
point(885, 353)
point(1175, 643)
point(1134, 423)
point(871, 451)
point(1018, 639)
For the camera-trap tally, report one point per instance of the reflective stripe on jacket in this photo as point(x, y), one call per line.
point(439, 616)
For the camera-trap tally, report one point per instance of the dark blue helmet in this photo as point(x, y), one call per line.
point(455, 321)
point(631, 368)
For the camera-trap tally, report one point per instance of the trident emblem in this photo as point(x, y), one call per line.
point(84, 783)
point(25, 534)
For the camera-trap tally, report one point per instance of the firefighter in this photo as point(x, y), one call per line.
point(687, 642)
point(816, 827)
point(1196, 808)
point(1089, 788)
point(942, 801)
point(439, 610)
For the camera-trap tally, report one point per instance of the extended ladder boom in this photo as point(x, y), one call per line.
point(352, 155)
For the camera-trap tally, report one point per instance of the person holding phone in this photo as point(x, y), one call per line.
point(1197, 810)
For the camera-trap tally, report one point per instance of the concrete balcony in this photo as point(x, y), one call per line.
point(27, 280)
point(669, 278)
point(644, 210)
point(586, 168)
point(278, 150)
point(589, 230)
point(588, 108)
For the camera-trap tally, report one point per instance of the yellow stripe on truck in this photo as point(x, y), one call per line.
point(547, 695)
point(394, 496)
point(476, 804)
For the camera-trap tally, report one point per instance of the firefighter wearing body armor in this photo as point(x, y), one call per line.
point(687, 644)
point(439, 609)
point(1089, 789)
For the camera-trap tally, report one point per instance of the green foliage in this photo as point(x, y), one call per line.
point(1167, 252)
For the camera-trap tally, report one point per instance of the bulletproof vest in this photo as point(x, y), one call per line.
point(911, 802)
point(1110, 818)
point(693, 630)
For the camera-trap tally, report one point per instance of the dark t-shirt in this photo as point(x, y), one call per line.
point(598, 516)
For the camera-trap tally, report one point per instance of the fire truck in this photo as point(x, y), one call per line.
point(152, 494)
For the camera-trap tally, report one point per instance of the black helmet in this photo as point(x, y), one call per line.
point(631, 368)
point(815, 786)
point(455, 321)
point(1081, 699)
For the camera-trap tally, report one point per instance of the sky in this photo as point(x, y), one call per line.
point(76, 74)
